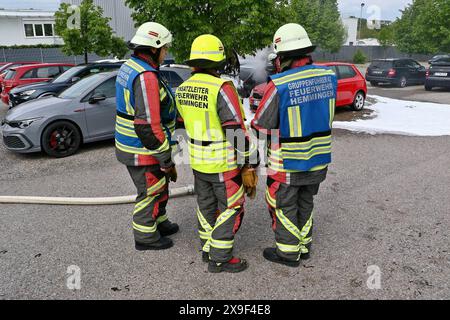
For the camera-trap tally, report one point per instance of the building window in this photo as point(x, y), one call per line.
point(48, 29)
point(29, 30)
point(39, 30)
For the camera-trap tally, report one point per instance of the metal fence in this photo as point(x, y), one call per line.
point(43, 55)
point(347, 53)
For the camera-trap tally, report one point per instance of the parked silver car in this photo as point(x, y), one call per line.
point(85, 112)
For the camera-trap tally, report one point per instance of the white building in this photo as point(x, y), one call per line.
point(27, 27)
point(351, 26)
point(121, 21)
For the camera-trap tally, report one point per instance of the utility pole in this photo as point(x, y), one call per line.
point(360, 19)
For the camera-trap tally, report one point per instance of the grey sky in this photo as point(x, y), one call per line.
point(389, 9)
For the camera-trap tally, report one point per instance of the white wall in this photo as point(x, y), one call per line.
point(351, 25)
point(121, 21)
point(12, 32)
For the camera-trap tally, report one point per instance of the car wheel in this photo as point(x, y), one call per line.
point(428, 88)
point(403, 82)
point(374, 83)
point(360, 100)
point(61, 139)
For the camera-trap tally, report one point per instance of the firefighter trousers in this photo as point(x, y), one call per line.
point(220, 212)
point(150, 209)
point(291, 209)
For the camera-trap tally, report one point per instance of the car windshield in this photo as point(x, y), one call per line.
point(442, 62)
point(80, 87)
point(69, 74)
point(381, 64)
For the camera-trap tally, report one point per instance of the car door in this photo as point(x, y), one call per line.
point(28, 77)
point(47, 73)
point(421, 72)
point(413, 71)
point(101, 116)
point(346, 83)
point(340, 97)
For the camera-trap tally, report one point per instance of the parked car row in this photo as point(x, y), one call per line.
point(27, 74)
point(56, 108)
point(404, 72)
point(76, 107)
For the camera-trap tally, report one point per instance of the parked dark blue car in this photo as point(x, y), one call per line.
point(39, 90)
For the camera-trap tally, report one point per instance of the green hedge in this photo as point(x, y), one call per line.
point(359, 57)
point(38, 46)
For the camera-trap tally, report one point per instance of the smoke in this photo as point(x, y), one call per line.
point(255, 66)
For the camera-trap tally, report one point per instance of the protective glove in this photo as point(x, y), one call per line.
point(171, 173)
point(250, 181)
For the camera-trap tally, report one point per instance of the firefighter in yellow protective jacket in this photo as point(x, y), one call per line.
point(213, 116)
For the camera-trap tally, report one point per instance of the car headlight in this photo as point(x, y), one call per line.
point(23, 124)
point(27, 93)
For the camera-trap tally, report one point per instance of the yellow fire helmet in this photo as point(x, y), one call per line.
point(207, 52)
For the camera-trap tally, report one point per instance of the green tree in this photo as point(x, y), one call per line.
point(243, 25)
point(322, 21)
point(386, 36)
point(424, 27)
point(87, 32)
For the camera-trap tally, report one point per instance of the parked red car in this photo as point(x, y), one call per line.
point(8, 66)
point(352, 87)
point(30, 74)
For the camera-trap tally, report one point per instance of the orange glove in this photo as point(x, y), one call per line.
point(250, 181)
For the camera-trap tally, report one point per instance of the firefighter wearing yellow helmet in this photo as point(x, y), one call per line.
point(213, 117)
point(145, 122)
point(298, 107)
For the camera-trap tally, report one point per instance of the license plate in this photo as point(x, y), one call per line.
point(441, 74)
point(377, 72)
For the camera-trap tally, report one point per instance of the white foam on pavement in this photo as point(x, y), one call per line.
point(400, 117)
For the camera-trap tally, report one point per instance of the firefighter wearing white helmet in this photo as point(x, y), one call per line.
point(213, 117)
point(298, 110)
point(146, 115)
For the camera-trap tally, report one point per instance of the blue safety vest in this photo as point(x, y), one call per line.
point(127, 142)
point(307, 103)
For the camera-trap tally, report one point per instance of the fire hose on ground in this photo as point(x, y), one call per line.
point(174, 193)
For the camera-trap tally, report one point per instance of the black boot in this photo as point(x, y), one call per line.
point(306, 256)
point(271, 255)
point(233, 266)
point(205, 256)
point(168, 228)
point(161, 244)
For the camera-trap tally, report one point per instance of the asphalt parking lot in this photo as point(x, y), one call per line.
point(384, 205)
